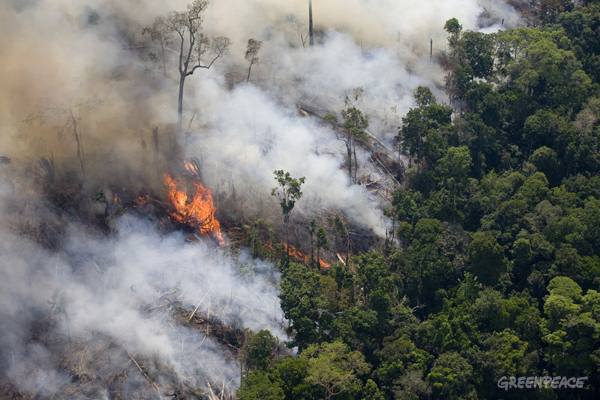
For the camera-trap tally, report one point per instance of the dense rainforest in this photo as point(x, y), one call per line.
point(493, 270)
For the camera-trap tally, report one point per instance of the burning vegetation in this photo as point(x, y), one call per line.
point(298, 256)
point(197, 211)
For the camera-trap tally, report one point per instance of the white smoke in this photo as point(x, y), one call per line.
point(254, 136)
point(380, 47)
point(116, 287)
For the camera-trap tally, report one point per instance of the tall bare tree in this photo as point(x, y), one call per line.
point(182, 33)
point(252, 55)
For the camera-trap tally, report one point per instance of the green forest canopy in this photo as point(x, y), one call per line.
point(498, 265)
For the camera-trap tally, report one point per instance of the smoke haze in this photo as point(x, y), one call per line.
point(119, 289)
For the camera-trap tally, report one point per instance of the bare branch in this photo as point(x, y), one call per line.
point(186, 27)
point(220, 47)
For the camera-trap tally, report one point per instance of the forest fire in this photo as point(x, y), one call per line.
point(197, 212)
point(297, 255)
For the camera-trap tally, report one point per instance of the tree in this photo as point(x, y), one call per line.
point(450, 377)
point(405, 205)
point(546, 161)
point(334, 368)
point(479, 51)
point(372, 392)
point(312, 230)
point(321, 242)
point(423, 96)
point(411, 386)
point(453, 170)
point(499, 226)
point(460, 75)
point(157, 33)
point(484, 141)
point(399, 356)
point(543, 72)
point(341, 228)
point(573, 328)
point(355, 123)
point(291, 372)
point(581, 27)
point(182, 30)
point(505, 354)
point(424, 130)
point(258, 350)
point(452, 26)
point(252, 54)
point(303, 303)
point(487, 258)
point(545, 128)
point(427, 263)
point(534, 189)
point(549, 10)
point(288, 193)
point(357, 328)
point(258, 385)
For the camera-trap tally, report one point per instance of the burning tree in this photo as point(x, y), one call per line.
point(181, 33)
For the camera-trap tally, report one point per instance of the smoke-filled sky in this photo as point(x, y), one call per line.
point(64, 59)
point(79, 67)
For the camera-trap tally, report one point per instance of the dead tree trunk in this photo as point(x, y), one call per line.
point(311, 32)
point(180, 103)
point(431, 50)
point(348, 249)
point(249, 72)
point(349, 155)
point(312, 247)
point(77, 136)
point(355, 165)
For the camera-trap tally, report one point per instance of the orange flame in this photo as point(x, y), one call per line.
point(297, 255)
point(141, 200)
point(197, 212)
point(192, 168)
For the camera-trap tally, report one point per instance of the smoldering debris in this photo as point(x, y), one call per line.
point(122, 297)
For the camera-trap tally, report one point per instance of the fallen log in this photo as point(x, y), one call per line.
point(144, 374)
point(382, 156)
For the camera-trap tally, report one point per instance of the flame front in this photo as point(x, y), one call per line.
point(297, 255)
point(197, 212)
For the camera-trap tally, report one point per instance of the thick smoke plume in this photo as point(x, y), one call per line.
point(81, 99)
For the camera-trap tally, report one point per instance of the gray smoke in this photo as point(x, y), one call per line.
point(115, 287)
